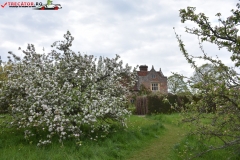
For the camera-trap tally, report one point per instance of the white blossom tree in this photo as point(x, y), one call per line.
point(64, 94)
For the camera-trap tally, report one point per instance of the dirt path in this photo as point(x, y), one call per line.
point(161, 147)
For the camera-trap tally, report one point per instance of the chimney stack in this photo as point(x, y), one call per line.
point(143, 68)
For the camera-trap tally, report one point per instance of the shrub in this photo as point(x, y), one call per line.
point(66, 95)
point(160, 103)
point(156, 104)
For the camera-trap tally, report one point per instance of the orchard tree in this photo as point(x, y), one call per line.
point(222, 90)
point(66, 95)
point(176, 84)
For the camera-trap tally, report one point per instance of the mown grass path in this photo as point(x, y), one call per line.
point(160, 148)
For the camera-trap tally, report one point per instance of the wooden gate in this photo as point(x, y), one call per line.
point(141, 105)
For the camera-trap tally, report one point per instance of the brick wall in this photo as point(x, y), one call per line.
point(147, 78)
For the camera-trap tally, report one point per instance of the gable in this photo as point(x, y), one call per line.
point(151, 73)
point(151, 79)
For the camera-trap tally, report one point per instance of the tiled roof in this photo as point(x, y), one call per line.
point(142, 73)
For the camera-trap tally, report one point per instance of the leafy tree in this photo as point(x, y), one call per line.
point(205, 69)
point(176, 84)
point(67, 95)
point(5, 68)
point(221, 91)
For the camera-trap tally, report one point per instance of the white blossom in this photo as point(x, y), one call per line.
point(61, 92)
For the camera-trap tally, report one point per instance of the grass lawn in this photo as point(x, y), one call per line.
point(157, 137)
point(117, 145)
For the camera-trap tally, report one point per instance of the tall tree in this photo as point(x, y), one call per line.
point(176, 84)
point(202, 74)
point(206, 69)
point(222, 91)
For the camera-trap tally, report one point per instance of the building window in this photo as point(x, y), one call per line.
point(154, 87)
point(153, 76)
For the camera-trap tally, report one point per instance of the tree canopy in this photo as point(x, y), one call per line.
point(176, 84)
point(65, 94)
point(218, 96)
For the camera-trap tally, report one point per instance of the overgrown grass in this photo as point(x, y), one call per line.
point(191, 145)
point(188, 147)
point(117, 145)
point(173, 119)
point(145, 137)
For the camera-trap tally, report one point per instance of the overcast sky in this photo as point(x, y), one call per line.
point(140, 31)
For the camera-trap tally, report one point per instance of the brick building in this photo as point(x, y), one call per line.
point(152, 80)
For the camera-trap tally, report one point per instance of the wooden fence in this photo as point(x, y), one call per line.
point(141, 105)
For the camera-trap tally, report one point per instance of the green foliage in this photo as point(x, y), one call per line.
point(160, 103)
point(176, 84)
point(224, 35)
point(144, 91)
point(156, 104)
point(132, 108)
point(166, 104)
point(218, 91)
point(191, 145)
point(4, 72)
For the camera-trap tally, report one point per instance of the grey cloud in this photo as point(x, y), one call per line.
point(139, 31)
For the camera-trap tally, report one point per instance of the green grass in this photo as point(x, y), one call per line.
point(191, 145)
point(176, 144)
point(150, 137)
point(161, 147)
point(117, 145)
